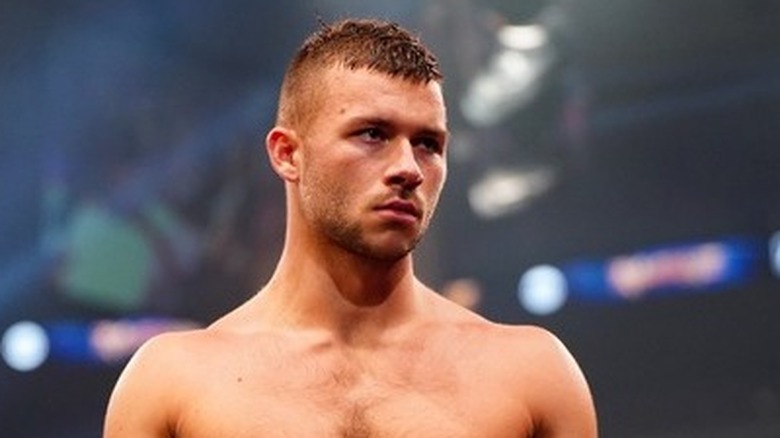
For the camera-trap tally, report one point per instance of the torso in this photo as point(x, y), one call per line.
point(445, 381)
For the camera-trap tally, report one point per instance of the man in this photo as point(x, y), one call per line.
point(344, 340)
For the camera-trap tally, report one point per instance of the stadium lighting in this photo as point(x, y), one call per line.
point(25, 346)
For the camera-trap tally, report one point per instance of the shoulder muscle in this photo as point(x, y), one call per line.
point(144, 398)
point(560, 399)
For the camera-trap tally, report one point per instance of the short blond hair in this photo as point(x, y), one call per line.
point(371, 44)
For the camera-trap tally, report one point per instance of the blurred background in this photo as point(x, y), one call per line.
point(614, 177)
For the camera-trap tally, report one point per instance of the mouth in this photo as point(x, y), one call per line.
point(401, 208)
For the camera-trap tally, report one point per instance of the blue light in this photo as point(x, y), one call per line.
point(542, 290)
point(25, 346)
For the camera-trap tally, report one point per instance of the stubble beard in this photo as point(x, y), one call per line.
point(351, 237)
point(327, 212)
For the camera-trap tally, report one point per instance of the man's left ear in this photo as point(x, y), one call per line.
point(283, 147)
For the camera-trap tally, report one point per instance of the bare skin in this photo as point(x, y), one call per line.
point(344, 341)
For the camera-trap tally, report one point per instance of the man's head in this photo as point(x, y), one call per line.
point(361, 139)
point(375, 45)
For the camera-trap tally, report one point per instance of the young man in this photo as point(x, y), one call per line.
point(344, 341)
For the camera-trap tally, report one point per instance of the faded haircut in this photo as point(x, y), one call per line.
point(375, 45)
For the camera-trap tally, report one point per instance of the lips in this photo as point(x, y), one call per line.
point(402, 208)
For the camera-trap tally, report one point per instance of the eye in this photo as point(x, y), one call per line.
point(372, 135)
point(430, 144)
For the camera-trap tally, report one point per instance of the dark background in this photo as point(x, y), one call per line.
point(140, 124)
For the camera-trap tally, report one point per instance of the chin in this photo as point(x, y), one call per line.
point(387, 245)
point(385, 251)
point(387, 256)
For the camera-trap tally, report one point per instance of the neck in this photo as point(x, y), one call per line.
point(341, 292)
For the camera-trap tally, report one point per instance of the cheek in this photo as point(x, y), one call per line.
point(334, 187)
point(436, 176)
point(443, 175)
point(316, 183)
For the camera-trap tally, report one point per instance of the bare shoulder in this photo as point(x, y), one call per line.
point(173, 357)
point(525, 347)
point(160, 353)
point(542, 356)
point(509, 339)
point(522, 341)
point(151, 386)
point(531, 365)
point(553, 384)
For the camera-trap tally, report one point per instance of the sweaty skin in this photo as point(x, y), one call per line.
point(344, 341)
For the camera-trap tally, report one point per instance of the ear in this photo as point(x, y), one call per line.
point(283, 147)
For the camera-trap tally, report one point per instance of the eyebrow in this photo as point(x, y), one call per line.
point(387, 124)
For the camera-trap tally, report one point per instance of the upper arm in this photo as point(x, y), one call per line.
point(140, 405)
point(563, 403)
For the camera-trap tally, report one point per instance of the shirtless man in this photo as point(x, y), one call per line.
point(344, 340)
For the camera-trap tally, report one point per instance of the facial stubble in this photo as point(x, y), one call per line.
point(326, 209)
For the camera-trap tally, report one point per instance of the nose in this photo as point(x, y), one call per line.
point(404, 170)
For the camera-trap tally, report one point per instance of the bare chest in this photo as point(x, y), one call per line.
point(320, 398)
point(346, 416)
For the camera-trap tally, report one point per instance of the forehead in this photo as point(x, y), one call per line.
point(364, 93)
